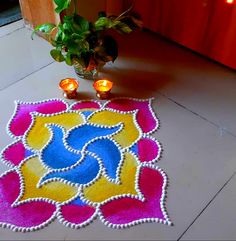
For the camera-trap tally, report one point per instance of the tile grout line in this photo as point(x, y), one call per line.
point(195, 113)
point(17, 81)
point(12, 32)
point(208, 204)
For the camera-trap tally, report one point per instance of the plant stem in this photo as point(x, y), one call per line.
point(75, 10)
point(122, 14)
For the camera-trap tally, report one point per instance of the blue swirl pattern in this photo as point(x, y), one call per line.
point(74, 166)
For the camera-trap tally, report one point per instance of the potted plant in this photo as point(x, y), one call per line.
point(86, 45)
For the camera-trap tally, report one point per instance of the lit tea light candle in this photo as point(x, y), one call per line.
point(230, 1)
point(69, 87)
point(103, 88)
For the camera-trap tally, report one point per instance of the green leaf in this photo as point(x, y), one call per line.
point(77, 46)
point(84, 45)
point(68, 59)
point(121, 27)
point(102, 23)
point(44, 28)
point(67, 26)
point(61, 5)
point(65, 37)
point(61, 36)
point(80, 23)
point(67, 19)
point(72, 46)
point(76, 36)
point(57, 55)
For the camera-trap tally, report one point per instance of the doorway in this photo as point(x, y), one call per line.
point(9, 11)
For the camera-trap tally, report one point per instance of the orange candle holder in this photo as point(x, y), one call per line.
point(69, 87)
point(103, 88)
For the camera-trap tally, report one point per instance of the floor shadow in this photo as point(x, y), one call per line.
point(139, 83)
point(85, 95)
point(148, 64)
point(143, 66)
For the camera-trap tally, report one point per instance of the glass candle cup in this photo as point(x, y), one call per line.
point(69, 87)
point(103, 88)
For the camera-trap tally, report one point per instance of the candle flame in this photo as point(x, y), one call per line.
point(68, 84)
point(103, 85)
point(230, 1)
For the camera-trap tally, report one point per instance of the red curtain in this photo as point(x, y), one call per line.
point(206, 26)
point(221, 33)
point(116, 7)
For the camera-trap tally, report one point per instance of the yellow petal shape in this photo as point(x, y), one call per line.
point(129, 133)
point(32, 170)
point(38, 136)
point(102, 189)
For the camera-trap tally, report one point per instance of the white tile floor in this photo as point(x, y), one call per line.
point(195, 101)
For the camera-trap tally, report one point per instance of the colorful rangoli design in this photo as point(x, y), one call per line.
point(83, 161)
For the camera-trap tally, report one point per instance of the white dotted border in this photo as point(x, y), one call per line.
point(87, 109)
point(3, 159)
point(34, 116)
point(134, 116)
point(16, 110)
point(57, 213)
point(83, 152)
point(159, 155)
point(143, 220)
point(139, 195)
point(17, 202)
point(29, 229)
point(89, 101)
point(73, 225)
point(139, 100)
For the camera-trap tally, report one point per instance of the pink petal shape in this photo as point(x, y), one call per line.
point(86, 104)
point(21, 120)
point(148, 150)
point(127, 211)
point(14, 153)
point(26, 216)
point(77, 215)
point(145, 117)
